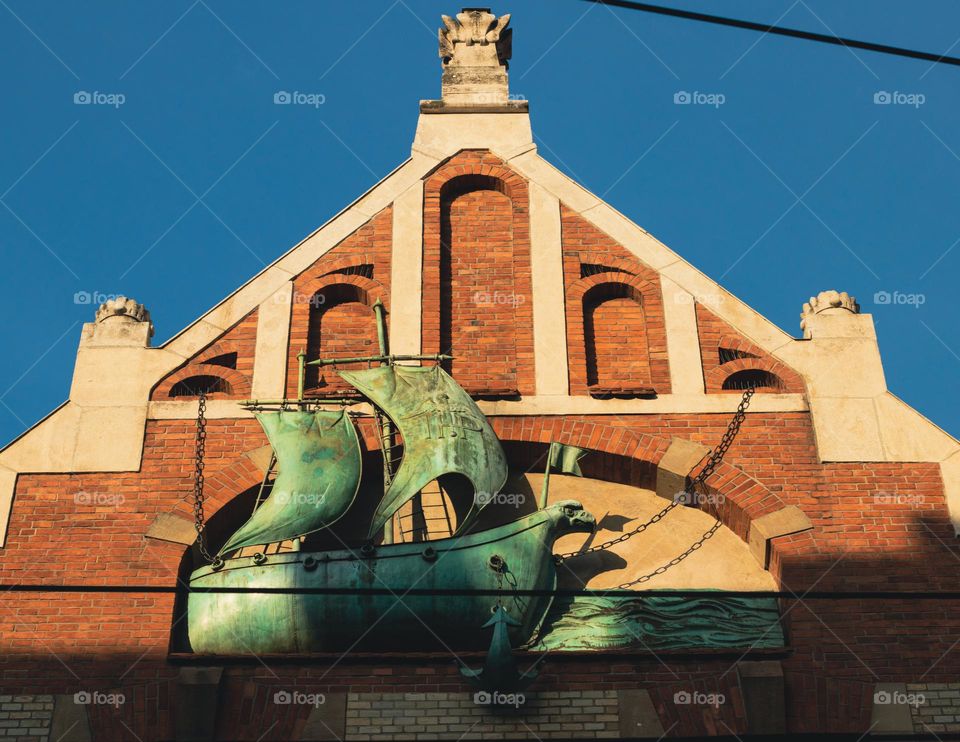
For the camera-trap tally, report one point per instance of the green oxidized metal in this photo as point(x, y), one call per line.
point(244, 623)
point(661, 622)
point(319, 458)
point(499, 671)
point(443, 430)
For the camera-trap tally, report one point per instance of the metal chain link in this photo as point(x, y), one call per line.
point(559, 558)
point(713, 461)
point(717, 454)
point(675, 561)
point(198, 477)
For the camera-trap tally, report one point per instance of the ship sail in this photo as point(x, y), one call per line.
point(443, 430)
point(318, 454)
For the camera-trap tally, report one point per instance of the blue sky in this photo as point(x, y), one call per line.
point(796, 183)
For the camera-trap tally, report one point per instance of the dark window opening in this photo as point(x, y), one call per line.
point(756, 378)
point(227, 360)
point(192, 386)
point(592, 269)
point(365, 270)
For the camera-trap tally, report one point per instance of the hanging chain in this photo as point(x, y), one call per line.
point(717, 454)
point(713, 461)
point(198, 477)
point(560, 558)
point(675, 561)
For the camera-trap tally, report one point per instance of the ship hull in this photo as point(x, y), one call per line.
point(294, 623)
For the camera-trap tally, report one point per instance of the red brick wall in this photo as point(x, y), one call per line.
point(241, 339)
point(878, 526)
point(716, 334)
point(332, 313)
point(477, 298)
point(629, 342)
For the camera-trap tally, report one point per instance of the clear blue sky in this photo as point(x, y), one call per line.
point(104, 199)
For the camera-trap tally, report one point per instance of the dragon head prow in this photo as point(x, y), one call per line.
point(569, 517)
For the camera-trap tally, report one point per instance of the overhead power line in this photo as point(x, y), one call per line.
point(780, 31)
point(399, 593)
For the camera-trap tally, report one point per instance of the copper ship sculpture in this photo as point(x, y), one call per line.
point(431, 430)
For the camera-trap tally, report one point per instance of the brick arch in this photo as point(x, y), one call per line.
point(614, 265)
point(240, 339)
point(239, 382)
point(222, 485)
point(714, 333)
point(716, 376)
point(632, 458)
point(733, 342)
point(587, 295)
point(312, 301)
point(627, 457)
point(354, 260)
point(479, 303)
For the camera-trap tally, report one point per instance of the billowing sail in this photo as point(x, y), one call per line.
point(318, 455)
point(444, 432)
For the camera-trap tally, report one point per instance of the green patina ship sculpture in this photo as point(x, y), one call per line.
point(445, 438)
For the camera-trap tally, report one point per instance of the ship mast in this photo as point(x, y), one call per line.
point(384, 425)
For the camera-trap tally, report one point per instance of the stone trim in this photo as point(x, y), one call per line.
point(406, 265)
point(546, 267)
point(537, 405)
point(763, 530)
point(678, 461)
point(172, 528)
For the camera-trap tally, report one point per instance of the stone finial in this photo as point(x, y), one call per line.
point(827, 302)
point(476, 38)
point(121, 306)
point(475, 49)
point(120, 321)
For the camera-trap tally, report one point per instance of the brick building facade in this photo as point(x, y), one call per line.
point(567, 322)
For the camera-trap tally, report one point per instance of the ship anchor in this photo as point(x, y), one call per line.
point(500, 672)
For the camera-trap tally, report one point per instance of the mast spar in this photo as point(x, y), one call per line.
point(384, 425)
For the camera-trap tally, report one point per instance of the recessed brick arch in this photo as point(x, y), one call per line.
point(335, 315)
point(619, 455)
point(240, 340)
point(611, 333)
point(789, 380)
point(477, 294)
point(239, 383)
point(222, 485)
point(632, 458)
point(715, 334)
